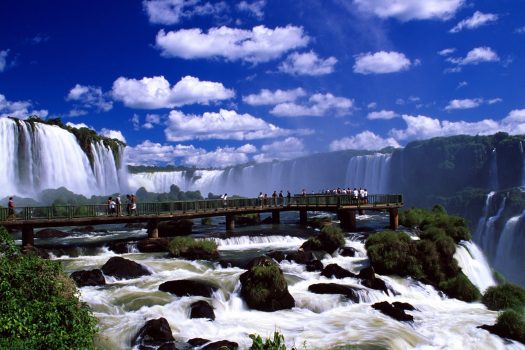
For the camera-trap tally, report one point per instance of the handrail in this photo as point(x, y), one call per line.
point(204, 206)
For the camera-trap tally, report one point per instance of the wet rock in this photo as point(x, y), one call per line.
point(221, 345)
point(153, 245)
point(334, 288)
point(88, 278)
point(168, 346)
point(314, 265)
point(135, 225)
point(118, 247)
point(153, 334)
point(277, 255)
point(367, 273)
point(336, 271)
point(370, 280)
point(30, 249)
point(300, 256)
point(84, 229)
point(248, 220)
point(175, 228)
point(50, 233)
point(348, 252)
point(263, 286)
point(201, 309)
point(123, 268)
point(267, 221)
point(187, 288)
point(198, 341)
point(404, 306)
point(397, 312)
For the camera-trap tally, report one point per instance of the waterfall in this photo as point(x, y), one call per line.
point(486, 235)
point(37, 156)
point(493, 171)
point(523, 166)
point(509, 257)
point(370, 172)
point(474, 264)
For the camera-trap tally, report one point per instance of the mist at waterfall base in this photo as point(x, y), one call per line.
point(316, 322)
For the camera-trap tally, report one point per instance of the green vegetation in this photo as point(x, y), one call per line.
point(511, 324)
point(429, 259)
point(182, 245)
point(505, 296)
point(175, 194)
point(330, 239)
point(39, 308)
point(275, 343)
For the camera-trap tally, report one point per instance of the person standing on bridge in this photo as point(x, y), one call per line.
point(274, 197)
point(118, 205)
point(133, 205)
point(111, 206)
point(261, 199)
point(225, 200)
point(288, 198)
point(11, 209)
point(281, 198)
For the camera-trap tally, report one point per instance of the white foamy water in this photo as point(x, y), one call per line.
point(474, 264)
point(318, 321)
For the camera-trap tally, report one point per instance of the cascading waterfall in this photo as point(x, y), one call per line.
point(474, 264)
point(370, 172)
point(36, 156)
point(493, 171)
point(486, 234)
point(509, 256)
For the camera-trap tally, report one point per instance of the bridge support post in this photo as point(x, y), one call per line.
point(153, 229)
point(276, 217)
point(28, 237)
point(361, 212)
point(303, 217)
point(394, 218)
point(348, 221)
point(230, 222)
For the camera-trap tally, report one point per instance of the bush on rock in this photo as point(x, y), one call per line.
point(188, 247)
point(330, 239)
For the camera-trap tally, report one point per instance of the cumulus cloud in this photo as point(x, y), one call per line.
point(365, 140)
point(462, 84)
point(222, 157)
point(113, 134)
point(381, 62)
point(267, 97)
point(318, 105)
point(3, 59)
point(478, 19)
point(90, 97)
point(151, 121)
point(494, 100)
point(289, 148)
point(307, 63)
point(156, 92)
point(466, 103)
point(151, 153)
point(476, 56)
point(447, 51)
point(372, 105)
point(384, 114)
point(256, 8)
point(174, 11)
point(260, 44)
point(19, 109)
point(406, 10)
point(224, 125)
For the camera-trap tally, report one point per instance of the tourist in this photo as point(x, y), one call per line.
point(11, 208)
point(225, 200)
point(303, 193)
point(133, 209)
point(128, 204)
point(261, 199)
point(281, 198)
point(118, 205)
point(265, 199)
point(365, 195)
point(111, 206)
point(274, 198)
point(288, 198)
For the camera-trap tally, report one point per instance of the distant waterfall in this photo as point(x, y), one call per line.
point(523, 166)
point(35, 157)
point(509, 257)
point(493, 171)
point(486, 235)
point(315, 173)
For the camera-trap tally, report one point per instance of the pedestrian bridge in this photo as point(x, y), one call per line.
point(29, 218)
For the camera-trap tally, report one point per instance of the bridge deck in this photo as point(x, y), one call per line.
point(78, 215)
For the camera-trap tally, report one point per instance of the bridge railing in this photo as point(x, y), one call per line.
point(207, 205)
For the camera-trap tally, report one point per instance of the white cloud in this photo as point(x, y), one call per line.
point(222, 157)
point(267, 97)
point(260, 44)
point(461, 84)
point(382, 115)
point(113, 134)
point(3, 59)
point(256, 7)
point(289, 148)
point(19, 109)
point(150, 153)
point(77, 112)
point(467, 103)
point(520, 30)
point(135, 121)
point(78, 125)
point(365, 140)
point(224, 125)
point(494, 101)
point(372, 105)
point(174, 11)
point(446, 52)
point(381, 62)
point(406, 10)
point(318, 105)
point(90, 97)
point(151, 121)
point(478, 19)
point(307, 63)
point(476, 56)
point(155, 92)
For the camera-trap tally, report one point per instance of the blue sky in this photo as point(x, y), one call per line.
point(217, 83)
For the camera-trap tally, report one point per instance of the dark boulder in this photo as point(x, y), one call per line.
point(84, 229)
point(50, 233)
point(334, 288)
point(263, 286)
point(168, 346)
point(88, 278)
point(154, 333)
point(123, 268)
point(397, 312)
point(314, 265)
point(367, 273)
point(248, 220)
point(136, 225)
point(348, 251)
point(187, 288)
point(370, 280)
point(153, 245)
point(221, 345)
point(119, 247)
point(300, 256)
point(403, 306)
point(336, 271)
point(277, 255)
point(198, 341)
point(175, 228)
point(201, 309)
point(31, 249)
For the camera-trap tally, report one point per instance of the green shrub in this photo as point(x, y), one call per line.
point(330, 239)
point(275, 343)
point(505, 296)
point(39, 308)
point(453, 226)
point(460, 287)
point(511, 324)
point(184, 244)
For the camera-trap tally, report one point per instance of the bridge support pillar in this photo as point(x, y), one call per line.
point(276, 217)
point(361, 212)
point(153, 229)
point(303, 217)
point(28, 237)
point(394, 218)
point(348, 221)
point(230, 222)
